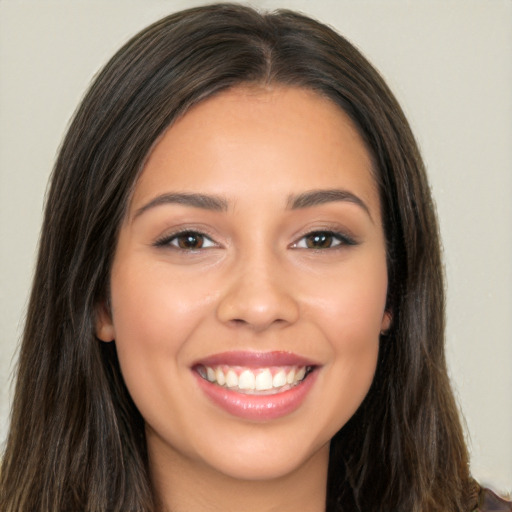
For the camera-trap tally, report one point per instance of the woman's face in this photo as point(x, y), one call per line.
point(249, 283)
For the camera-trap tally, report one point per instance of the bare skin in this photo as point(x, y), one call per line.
point(254, 230)
point(201, 489)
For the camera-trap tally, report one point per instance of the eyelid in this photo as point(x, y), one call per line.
point(167, 239)
point(342, 238)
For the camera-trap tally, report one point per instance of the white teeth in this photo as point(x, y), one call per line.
point(279, 379)
point(231, 379)
point(219, 375)
point(263, 380)
point(251, 381)
point(210, 374)
point(246, 380)
point(301, 373)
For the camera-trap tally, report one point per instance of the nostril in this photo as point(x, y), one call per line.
point(235, 322)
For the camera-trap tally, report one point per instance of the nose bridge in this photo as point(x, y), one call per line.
point(259, 293)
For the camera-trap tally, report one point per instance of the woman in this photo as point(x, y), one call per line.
point(239, 284)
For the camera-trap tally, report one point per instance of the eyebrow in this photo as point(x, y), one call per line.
point(319, 197)
point(203, 201)
point(219, 204)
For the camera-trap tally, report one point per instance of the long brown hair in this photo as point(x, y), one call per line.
point(76, 440)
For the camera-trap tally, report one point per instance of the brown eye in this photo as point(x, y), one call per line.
point(189, 241)
point(319, 240)
point(186, 241)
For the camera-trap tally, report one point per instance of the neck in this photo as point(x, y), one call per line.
point(185, 485)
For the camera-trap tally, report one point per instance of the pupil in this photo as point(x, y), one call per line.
point(319, 241)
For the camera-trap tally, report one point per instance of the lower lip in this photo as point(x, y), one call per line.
point(258, 407)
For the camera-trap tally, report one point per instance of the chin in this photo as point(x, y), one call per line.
point(259, 458)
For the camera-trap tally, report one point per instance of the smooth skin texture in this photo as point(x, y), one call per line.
point(266, 264)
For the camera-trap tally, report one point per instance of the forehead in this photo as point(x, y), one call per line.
point(251, 138)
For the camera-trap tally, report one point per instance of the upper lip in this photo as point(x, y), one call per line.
point(252, 359)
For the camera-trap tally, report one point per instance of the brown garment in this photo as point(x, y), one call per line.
point(491, 502)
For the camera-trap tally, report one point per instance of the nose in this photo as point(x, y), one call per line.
point(258, 296)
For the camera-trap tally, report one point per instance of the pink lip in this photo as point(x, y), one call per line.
point(256, 359)
point(257, 407)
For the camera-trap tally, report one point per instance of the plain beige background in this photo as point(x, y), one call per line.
point(450, 65)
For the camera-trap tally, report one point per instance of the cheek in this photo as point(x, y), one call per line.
point(152, 306)
point(349, 313)
point(353, 322)
point(154, 315)
point(351, 303)
point(354, 342)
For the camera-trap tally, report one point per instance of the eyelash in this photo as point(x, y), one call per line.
point(167, 241)
point(325, 234)
point(322, 235)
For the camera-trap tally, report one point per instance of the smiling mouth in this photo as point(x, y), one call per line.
point(254, 381)
point(256, 386)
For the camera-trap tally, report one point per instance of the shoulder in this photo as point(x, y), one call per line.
point(488, 501)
